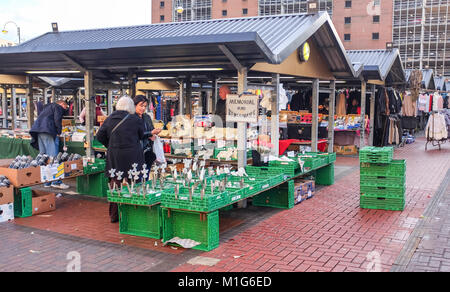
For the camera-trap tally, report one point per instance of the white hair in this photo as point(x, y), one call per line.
point(125, 103)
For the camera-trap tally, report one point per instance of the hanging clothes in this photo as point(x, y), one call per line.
point(436, 128)
point(408, 106)
point(341, 106)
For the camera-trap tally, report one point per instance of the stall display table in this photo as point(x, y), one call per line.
point(13, 147)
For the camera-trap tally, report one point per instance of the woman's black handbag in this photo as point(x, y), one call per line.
point(149, 157)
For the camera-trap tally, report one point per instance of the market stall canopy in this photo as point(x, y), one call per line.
point(382, 65)
point(265, 39)
point(427, 78)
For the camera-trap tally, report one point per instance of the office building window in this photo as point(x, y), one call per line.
point(347, 37)
point(376, 19)
point(375, 36)
point(348, 4)
point(161, 18)
point(224, 13)
point(347, 20)
point(161, 4)
point(224, 1)
point(245, 11)
point(376, 3)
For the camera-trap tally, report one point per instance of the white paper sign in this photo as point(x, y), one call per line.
point(242, 108)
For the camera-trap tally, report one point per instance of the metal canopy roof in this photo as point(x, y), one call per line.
point(252, 40)
point(427, 78)
point(384, 65)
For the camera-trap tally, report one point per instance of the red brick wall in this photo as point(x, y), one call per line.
point(157, 11)
point(362, 26)
point(234, 8)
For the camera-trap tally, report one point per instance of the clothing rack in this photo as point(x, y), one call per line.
point(432, 139)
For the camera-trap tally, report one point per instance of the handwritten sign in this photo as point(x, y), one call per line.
point(242, 108)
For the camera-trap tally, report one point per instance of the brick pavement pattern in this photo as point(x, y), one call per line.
point(326, 233)
point(330, 232)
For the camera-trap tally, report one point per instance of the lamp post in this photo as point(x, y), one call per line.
point(18, 29)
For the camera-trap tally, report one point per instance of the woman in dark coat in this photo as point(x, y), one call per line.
point(150, 132)
point(121, 134)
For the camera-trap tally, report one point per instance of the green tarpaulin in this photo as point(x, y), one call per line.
point(11, 148)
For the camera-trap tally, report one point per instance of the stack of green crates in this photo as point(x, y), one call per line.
point(382, 179)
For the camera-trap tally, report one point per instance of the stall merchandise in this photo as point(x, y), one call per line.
point(382, 179)
point(153, 201)
point(437, 127)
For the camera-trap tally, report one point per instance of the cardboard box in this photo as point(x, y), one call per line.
point(346, 150)
point(6, 212)
point(73, 168)
point(52, 172)
point(22, 177)
point(42, 202)
point(6, 195)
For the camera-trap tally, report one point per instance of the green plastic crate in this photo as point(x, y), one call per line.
point(149, 199)
point(255, 184)
point(218, 150)
point(312, 161)
point(98, 166)
point(386, 192)
point(275, 175)
point(280, 197)
point(396, 168)
point(209, 203)
point(382, 181)
point(290, 168)
point(382, 203)
point(93, 185)
point(325, 175)
point(23, 202)
point(189, 225)
point(141, 221)
point(332, 157)
point(376, 154)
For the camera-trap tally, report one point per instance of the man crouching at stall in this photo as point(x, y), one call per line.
point(121, 134)
point(45, 133)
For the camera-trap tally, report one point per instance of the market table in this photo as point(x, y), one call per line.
point(12, 147)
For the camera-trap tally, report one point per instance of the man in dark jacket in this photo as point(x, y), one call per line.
point(45, 133)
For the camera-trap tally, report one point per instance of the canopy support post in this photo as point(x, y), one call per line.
point(181, 99)
point(275, 117)
point(315, 115)
point(13, 108)
point(363, 114)
point(5, 108)
point(372, 114)
point(331, 113)
point(30, 104)
point(110, 102)
point(242, 127)
point(90, 114)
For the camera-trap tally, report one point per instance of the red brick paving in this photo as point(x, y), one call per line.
point(330, 232)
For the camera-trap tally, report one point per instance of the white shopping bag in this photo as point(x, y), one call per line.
point(159, 151)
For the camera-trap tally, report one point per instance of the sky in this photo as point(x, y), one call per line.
point(34, 17)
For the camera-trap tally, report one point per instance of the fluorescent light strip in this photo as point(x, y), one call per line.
point(184, 69)
point(51, 72)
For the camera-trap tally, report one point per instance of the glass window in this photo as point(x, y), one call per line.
point(348, 4)
point(245, 11)
point(347, 37)
point(375, 36)
point(224, 13)
point(161, 18)
point(161, 4)
point(376, 19)
point(347, 20)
